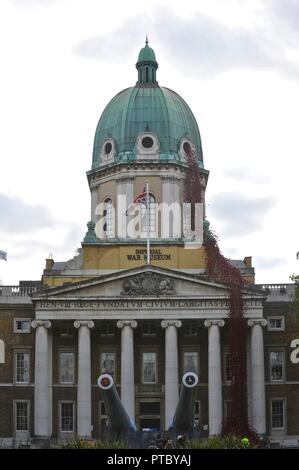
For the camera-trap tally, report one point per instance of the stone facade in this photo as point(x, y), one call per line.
point(169, 333)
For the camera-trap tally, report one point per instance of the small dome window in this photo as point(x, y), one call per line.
point(108, 148)
point(187, 148)
point(108, 151)
point(147, 142)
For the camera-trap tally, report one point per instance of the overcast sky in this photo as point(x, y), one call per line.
point(235, 62)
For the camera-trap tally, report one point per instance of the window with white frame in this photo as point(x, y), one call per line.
point(149, 368)
point(227, 367)
point(278, 414)
point(108, 214)
point(67, 367)
point(21, 415)
point(151, 217)
point(22, 325)
point(277, 366)
point(67, 416)
point(22, 367)
point(276, 323)
point(190, 361)
point(190, 328)
point(108, 363)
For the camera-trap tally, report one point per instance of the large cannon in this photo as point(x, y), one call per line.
point(119, 420)
point(183, 420)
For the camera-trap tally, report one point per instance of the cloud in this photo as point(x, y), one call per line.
point(202, 45)
point(239, 215)
point(114, 46)
point(18, 216)
point(32, 3)
point(268, 263)
point(286, 11)
point(248, 175)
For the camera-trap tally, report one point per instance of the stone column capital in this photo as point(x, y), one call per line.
point(217, 322)
point(167, 323)
point(79, 323)
point(122, 323)
point(45, 323)
point(257, 321)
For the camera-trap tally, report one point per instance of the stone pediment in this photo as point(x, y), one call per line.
point(139, 282)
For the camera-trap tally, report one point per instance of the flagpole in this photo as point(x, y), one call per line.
point(147, 225)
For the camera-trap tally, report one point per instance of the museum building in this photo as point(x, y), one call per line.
point(109, 310)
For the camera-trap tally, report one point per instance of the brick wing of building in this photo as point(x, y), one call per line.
point(108, 310)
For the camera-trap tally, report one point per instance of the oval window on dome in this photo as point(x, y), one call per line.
point(108, 148)
point(147, 142)
point(187, 148)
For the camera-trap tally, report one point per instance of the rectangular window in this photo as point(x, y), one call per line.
point(22, 368)
point(197, 414)
point(275, 323)
point(67, 417)
point(22, 325)
point(278, 414)
point(190, 328)
point(108, 360)
point(227, 367)
point(67, 368)
point(149, 368)
point(148, 329)
point(276, 366)
point(104, 423)
point(22, 416)
point(66, 332)
point(227, 408)
point(190, 362)
point(107, 328)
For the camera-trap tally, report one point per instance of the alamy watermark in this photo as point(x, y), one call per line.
point(161, 221)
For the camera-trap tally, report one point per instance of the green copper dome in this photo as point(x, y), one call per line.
point(145, 110)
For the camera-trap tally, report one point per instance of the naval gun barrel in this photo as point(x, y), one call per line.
point(118, 417)
point(183, 420)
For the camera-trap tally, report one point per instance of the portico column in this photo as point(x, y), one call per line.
point(258, 407)
point(171, 369)
point(41, 387)
point(215, 378)
point(127, 366)
point(84, 378)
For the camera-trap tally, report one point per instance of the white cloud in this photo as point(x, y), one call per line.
point(51, 100)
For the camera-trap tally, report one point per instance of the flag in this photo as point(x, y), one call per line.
point(3, 255)
point(141, 198)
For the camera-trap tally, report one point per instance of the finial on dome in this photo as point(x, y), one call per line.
point(147, 65)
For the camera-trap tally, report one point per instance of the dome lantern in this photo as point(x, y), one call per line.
point(147, 66)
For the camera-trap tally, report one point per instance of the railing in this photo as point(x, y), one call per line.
point(275, 287)
point(22, 291)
